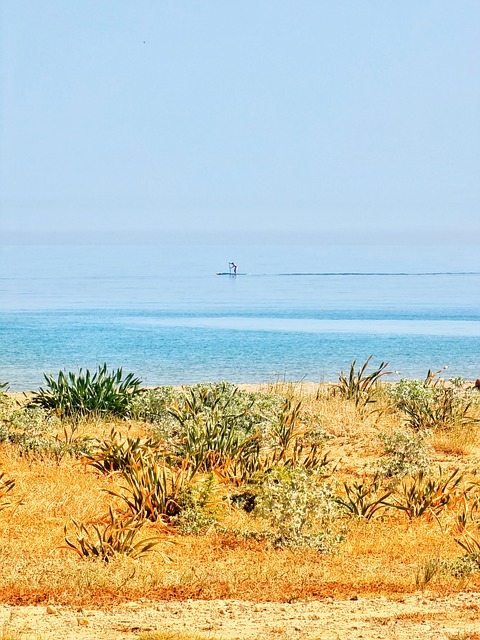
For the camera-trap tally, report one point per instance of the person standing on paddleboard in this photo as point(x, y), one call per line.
point(234, 267)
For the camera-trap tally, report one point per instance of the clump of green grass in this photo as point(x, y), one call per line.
point(86, 395)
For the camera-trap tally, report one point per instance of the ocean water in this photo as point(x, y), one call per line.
point(295, 312)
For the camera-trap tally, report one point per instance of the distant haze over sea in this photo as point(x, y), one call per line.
point(299, 312)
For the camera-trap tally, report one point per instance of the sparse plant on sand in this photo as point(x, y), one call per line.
point(468, 527)
point(364, 498)
point(6, 486)
point(105, 541)
point(359, 387)
point(423, 495)
point(119, 453)
point(426, 571)
point(152, 488)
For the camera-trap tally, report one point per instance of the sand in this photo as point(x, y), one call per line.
point(414, 617)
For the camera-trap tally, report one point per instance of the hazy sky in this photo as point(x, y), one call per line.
point(246, 119)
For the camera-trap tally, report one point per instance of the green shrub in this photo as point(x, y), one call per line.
point(33, 421)
point(219, 426)
point(463, 566)
point(405, 453)
point(152, 405)
point(238, 433)
point(300, 506)
point(37, 432)
point(86, 395)
point(433, 403)
point(196, 504)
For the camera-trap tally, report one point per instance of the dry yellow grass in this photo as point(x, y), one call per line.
point(381, 556)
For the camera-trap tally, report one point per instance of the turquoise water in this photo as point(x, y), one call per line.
point(298, 313)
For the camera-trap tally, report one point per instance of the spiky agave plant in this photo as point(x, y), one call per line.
point(118, 453)
point(424, 495)
point(364, 498)
point(115, 537)
point(83, 394)
point(210, 427)
point(358, 386)
point(152, 487)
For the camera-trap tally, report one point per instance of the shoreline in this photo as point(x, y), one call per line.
point(304, 385)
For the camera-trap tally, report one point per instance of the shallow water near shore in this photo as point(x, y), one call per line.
point(297, 313)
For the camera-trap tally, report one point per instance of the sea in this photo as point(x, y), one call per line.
point(294, 312)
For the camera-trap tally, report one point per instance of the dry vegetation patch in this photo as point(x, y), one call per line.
point(279, 493)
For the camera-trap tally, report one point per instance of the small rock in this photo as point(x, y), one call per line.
point(52, 610)
point(354, 598)
point(82, 622)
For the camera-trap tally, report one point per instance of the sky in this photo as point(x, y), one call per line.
point(256, 120)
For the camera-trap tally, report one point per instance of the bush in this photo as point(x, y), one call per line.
point(196, 504)
point(37, 432)
point(406, 453)
point(433, 403)
point(152, 405)
point(295, 502)
point(33, 421)
point(219, 426)
point(86, 395)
